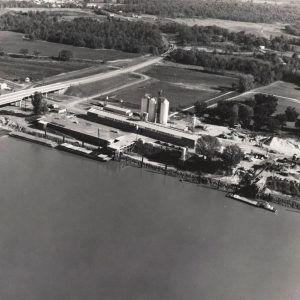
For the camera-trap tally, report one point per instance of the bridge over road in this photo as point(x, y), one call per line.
point(22, 94)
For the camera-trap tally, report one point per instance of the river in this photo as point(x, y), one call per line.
point(73, 228)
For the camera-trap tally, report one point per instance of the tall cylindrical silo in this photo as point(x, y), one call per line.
point(144, 104)
point(164, 111)
point(152, 110)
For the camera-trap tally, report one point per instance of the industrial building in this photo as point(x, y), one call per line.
point(155, 110)
point(118, 110)
point(151, 130)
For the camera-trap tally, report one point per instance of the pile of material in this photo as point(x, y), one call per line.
point(285, 146)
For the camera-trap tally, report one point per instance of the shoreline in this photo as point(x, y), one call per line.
point(183, 176)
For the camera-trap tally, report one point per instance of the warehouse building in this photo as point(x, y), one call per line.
point(151, 130)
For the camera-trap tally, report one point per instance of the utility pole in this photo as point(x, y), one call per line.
point(98, 138)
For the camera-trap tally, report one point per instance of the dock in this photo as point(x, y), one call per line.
point(33, 138)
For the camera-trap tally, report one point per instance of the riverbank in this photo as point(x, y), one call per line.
point(56, 141)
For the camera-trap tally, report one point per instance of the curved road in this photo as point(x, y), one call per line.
point(19, 95)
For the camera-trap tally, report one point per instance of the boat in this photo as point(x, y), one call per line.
point(260, 203)
point(103, 157)
point(266, 205)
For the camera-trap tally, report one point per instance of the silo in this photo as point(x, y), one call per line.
point(144, 104)
point(164, 111)
point(152, 110)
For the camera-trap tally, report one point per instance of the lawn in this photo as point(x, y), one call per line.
point(177, 95)
point(12, 42)
point(18, 69)
point(102, 86)
point(191, 78)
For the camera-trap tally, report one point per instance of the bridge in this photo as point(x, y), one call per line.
point(54, 87)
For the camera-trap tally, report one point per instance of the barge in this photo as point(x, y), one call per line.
point(83, 152)
point(257, 203)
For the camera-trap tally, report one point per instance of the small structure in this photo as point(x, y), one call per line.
point(118, 110)
point(4, 86)
point(27, 80)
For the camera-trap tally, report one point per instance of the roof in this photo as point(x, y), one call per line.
point(147, 125)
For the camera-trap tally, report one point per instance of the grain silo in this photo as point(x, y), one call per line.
point(164, 111)
point(152, 110)
point(145, 104)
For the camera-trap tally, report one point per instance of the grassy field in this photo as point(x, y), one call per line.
point(178, 96)
point(183, 87)
point(12, 42)
point(102, 86)
point(75, 74)
point(191, 78)
point(259, 29)
point(18, 69)
point(288, 95)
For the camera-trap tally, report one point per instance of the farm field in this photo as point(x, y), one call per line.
point(178, 96)
point(12, 42)
point(191, 78)
point(101, 86)
point(19, 69)
point(259, 29)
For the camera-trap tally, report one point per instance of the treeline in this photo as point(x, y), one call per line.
point(136, 37)
point(258, 112)
point(293, 29)
point(212, 35)
point(285, 186)
point(265, 68)
point(263, 71)
point(236, 10)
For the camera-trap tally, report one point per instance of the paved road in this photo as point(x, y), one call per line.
point(19, 95)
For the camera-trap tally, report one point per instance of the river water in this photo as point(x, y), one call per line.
point(72, 228)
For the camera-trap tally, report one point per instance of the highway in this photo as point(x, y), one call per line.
point(19, 95)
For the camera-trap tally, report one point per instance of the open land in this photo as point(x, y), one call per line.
point(183, 87)
point(191, 78)
point(90, 89)
point(12, 42)
point(260, 29)
point(288, 94)
point(177, 95)
point(76, 74)
point(16, 69)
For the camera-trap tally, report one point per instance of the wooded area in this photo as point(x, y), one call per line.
point(223, 9)
point(136, 37)
point(265, 69)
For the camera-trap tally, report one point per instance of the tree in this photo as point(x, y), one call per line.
point(232, 155)
point(24, 51)
point(245, 113)
point(65, 55)
point(233, 115)
point(273, 124)
point(208, 146)
point(291, 114)
point(39, 104)
point(36, 53)
point(265, 107)
point(281, 119)
point(246, 82)
point(200, 108)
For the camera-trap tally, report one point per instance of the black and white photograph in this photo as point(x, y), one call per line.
point(149, 149)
